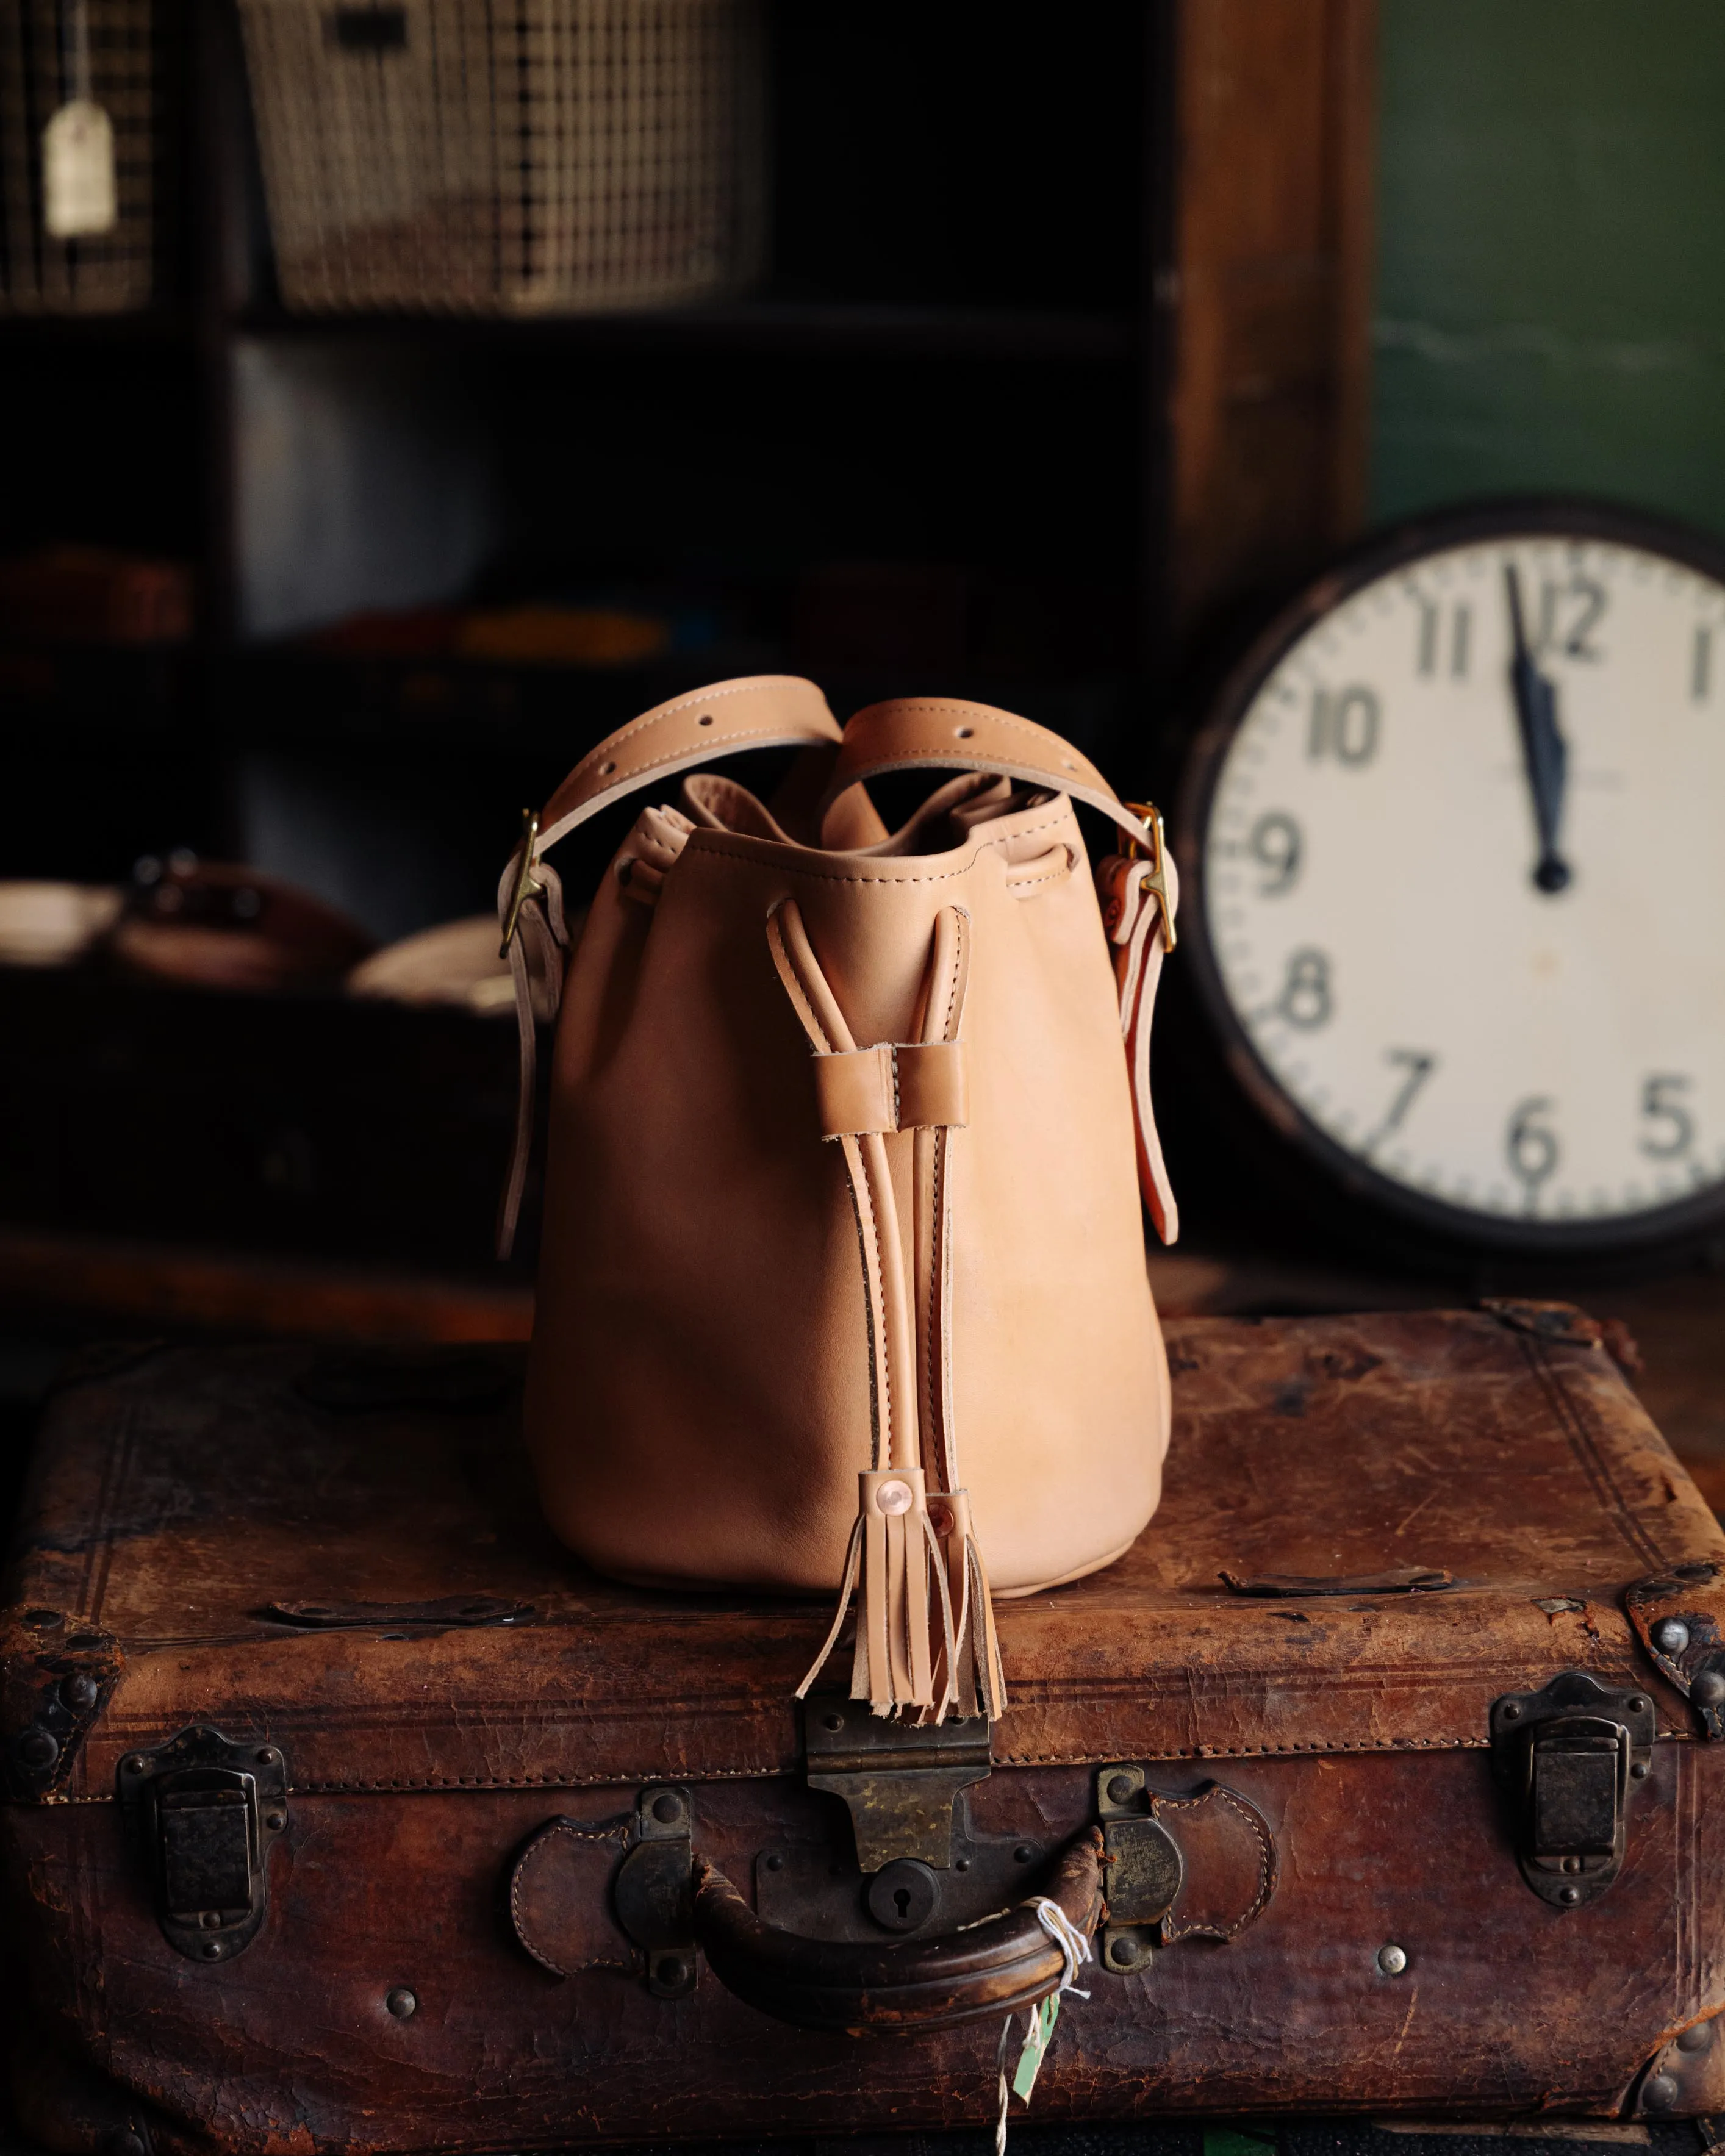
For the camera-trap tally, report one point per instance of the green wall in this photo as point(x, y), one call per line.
point(1551, 287)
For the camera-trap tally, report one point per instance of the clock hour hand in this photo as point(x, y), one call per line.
point(1543, 749)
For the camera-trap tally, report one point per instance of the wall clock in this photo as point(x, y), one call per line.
point(1456, 831)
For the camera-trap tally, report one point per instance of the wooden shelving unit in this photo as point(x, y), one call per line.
point(1080, 296)
point(785, 329)
point(1056, 377)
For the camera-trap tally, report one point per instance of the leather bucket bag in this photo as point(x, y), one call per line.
point(842, 1282)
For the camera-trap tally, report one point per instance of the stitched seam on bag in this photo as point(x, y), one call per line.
point(811, 1019)
point(880, 1407)
point(706, 846)
point(985, 712)
point(936, 1363)
point(1078, 781)
point(935, 1405)
point(880, 1369)
point(879, 1432)
point(959, 955)
point(1016, 884)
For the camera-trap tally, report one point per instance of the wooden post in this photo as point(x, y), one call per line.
point(1269, 288)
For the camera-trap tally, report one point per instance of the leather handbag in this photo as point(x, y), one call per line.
point(842, 1278)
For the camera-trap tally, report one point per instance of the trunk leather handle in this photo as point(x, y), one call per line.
point(1281, 1586)
point(986, 1971)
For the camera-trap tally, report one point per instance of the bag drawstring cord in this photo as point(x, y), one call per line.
point(910, 1656)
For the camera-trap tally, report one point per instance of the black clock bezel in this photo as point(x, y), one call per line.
point(1687, 1222)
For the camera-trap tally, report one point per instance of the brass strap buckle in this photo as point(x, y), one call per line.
point(526, 885)
point(1147, 812)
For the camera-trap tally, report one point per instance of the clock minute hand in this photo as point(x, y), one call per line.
point(1542, 746)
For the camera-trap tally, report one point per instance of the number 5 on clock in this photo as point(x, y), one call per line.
point(1660, 1105)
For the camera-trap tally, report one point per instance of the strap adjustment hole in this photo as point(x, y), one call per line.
point(705, 720)
point(606, 770)
point(964, 733)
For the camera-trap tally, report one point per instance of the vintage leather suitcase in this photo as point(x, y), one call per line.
point(346, 1813)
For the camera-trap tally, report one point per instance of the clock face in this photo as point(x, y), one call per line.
point(1463, 880)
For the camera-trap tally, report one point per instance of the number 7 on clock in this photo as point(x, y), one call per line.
point(1418, 1064)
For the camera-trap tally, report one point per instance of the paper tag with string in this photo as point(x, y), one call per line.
point(79, 196)
point(1041, 2020)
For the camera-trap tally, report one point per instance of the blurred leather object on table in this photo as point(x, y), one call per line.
point(563, 636)
point(457, 963)
point(533, 633)
point(218, 925)
point(94, 595)
point(153, 1115)
point(54, 924)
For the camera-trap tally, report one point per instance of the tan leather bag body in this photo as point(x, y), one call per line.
point(842, 1283)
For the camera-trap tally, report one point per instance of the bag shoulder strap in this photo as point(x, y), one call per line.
point(762, 711)
point(929, 733)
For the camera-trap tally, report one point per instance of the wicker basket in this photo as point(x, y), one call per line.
point(51, 53)
point(521, 156)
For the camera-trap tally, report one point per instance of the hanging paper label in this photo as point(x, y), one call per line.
point(78, 193)
point(1042, 2020)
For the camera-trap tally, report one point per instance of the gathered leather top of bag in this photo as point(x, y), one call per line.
point(842, 1278)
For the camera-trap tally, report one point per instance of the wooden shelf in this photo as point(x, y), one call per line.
point(785, 328)
point(74, 1282)
point(149, 326)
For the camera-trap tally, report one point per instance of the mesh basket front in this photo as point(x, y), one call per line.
point(50, 52)
point(530, 155)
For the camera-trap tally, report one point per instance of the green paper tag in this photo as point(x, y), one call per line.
point(1218, 2141)
point(1042, 2020)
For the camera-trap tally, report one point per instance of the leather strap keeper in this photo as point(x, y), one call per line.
point(912, 1086)
point(933, 1092)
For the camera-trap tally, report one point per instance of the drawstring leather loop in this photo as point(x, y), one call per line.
point(905, 1537)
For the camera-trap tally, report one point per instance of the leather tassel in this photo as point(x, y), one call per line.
point(893, 1568)
point(847, 1588)
point(973, 1680)
point(893, 1667)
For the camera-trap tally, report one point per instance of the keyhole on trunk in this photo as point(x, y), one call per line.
point(902, 1895)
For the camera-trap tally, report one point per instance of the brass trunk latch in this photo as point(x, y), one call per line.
point(898, 1780)
point(205, 1811)
point(921, 1868)
point(1569, 1757)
